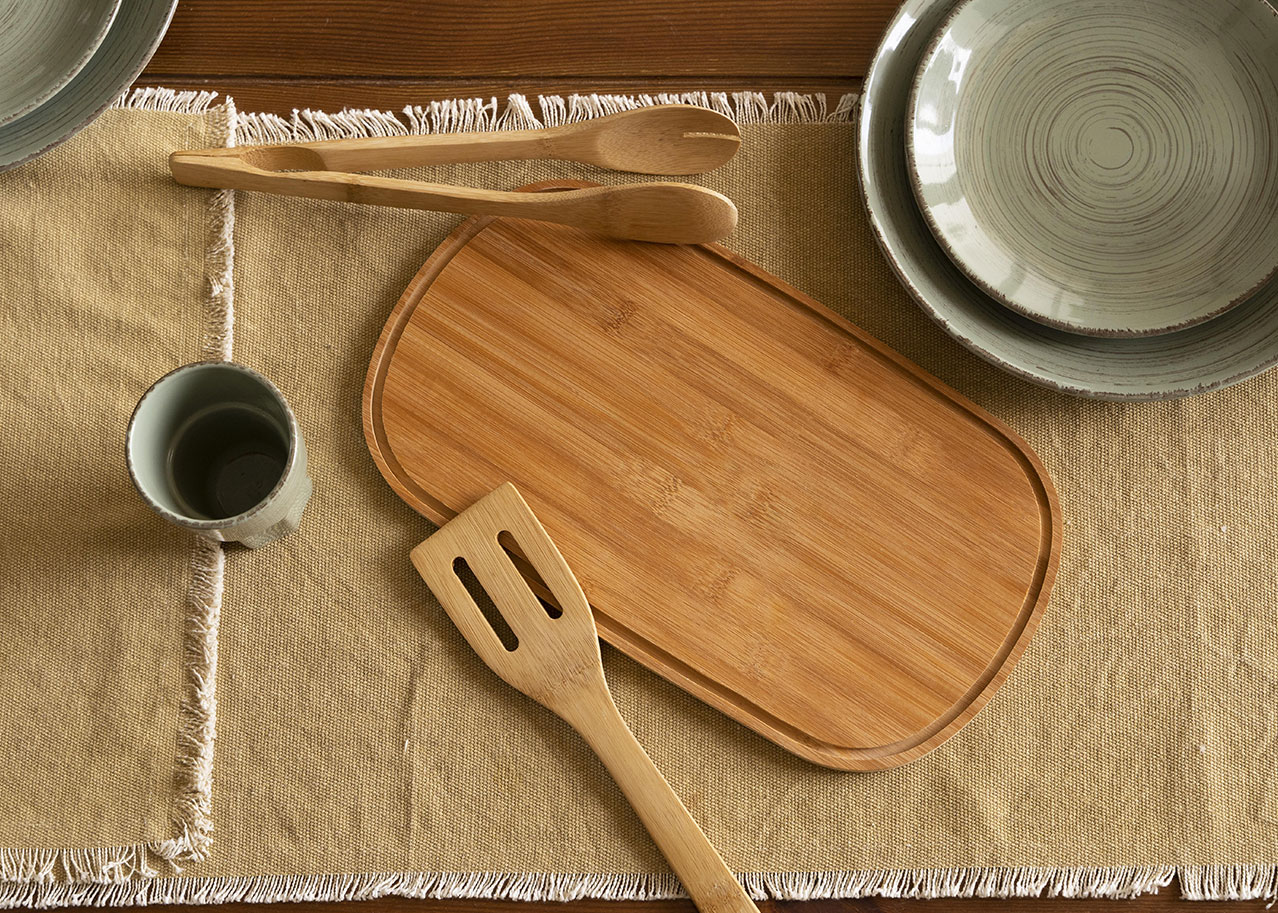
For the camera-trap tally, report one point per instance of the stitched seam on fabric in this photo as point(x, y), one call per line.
point(47, 869)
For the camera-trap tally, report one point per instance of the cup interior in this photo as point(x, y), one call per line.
point(210, 442)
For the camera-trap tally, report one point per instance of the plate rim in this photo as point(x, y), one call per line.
point(156, 15)
point(926, 58)
point(891, 235)
point(112, 9)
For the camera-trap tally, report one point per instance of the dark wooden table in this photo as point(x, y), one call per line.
point(277, 55)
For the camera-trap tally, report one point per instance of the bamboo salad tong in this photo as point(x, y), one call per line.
point(551, 654)
point(667, 139)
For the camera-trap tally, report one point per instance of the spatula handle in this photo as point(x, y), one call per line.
point(708, 881)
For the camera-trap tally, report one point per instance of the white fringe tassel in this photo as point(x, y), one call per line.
point(1229, 882)
point(40, 875)
point(154, 99)
point(219, 255)
point(476, 114)
point(927, 883)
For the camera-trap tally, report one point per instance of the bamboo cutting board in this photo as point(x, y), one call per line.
point(763, 504)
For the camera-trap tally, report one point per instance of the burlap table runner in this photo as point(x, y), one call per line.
point(364, 750)
point(107, 620)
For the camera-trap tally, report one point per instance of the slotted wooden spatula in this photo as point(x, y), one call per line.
point(556, 662)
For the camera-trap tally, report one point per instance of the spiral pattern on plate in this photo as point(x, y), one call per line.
point(43, 45)
point(1208, 356)
point(130, 41)
point(1104, 167)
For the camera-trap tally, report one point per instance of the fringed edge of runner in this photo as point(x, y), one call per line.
point(45, 873)
point(478, 114)
point(919, 883)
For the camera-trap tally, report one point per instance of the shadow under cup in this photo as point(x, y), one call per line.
point(214, 447)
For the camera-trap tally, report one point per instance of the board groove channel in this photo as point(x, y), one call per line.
point(916, 672)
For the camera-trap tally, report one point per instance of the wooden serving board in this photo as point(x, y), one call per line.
point(763, 504)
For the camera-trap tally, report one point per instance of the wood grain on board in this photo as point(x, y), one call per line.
point(764, 505)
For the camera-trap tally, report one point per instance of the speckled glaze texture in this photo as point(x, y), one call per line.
point(129, 43)
point(1236, 345)
point(1103, 167)
point(149, 444)
point(43, 44)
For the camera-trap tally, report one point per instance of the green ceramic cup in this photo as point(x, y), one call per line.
point(213, 447)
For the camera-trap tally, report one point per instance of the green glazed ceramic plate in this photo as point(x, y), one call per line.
point(129, 43)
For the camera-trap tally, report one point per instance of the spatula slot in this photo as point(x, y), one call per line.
point(528, 571)
point(485, 604)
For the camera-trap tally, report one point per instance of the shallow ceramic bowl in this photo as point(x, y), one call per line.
point(43, 44)
point(1238, 344)
point(130, 41)
point(1103, 166)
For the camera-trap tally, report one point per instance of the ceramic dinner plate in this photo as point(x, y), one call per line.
point(1238, 344)
point(43, 45)
point(129, 43)
point(1104, 167)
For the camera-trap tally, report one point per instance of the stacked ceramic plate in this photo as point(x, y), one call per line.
point(1084, 192)
point(62, 63)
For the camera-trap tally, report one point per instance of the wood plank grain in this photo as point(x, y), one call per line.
point(283, 96)
point(513, 38)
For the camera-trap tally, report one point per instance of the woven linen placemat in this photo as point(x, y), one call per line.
point(110, 276)
point(364, 750)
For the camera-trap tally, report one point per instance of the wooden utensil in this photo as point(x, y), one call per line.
point(664, 139)
point(852, 555)
point(556, 662)
point(669, 139)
